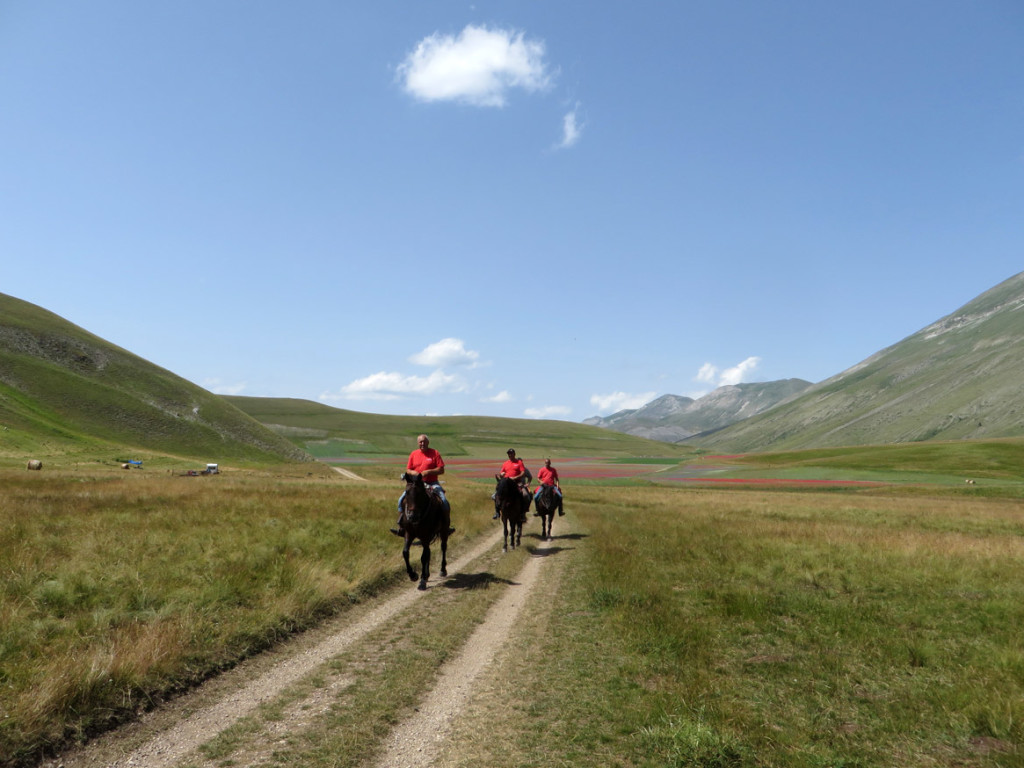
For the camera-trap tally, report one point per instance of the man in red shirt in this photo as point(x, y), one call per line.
point(548, 475)
point(427, 462)
point(515, 469)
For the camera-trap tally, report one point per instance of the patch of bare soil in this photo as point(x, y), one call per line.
point(348, 473)
point(172, 735)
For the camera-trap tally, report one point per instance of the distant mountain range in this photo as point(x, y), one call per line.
point(65, 391)
point(960, 377)
point(672, 418)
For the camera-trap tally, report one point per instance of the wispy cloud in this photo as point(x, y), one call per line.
point(478, 66)
point(501, 397)
point(446, 353)
point(618, 401)
point(571, 129)
point(547, 412)
point(710, 374)
point(392, 386)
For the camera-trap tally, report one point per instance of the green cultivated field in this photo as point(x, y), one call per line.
point(698, 626)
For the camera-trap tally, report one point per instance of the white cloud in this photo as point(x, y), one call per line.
point(392, 386)
point(571, 129)
point(710, 374)
point(446, 352)
point(740, 372)
point(548, 412)
point(707, 372)
point(477, 67)
point(618, 401)
point(501, 397)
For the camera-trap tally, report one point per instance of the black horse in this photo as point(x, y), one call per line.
point(547, 503)
point(512, 505)
point(424, 518)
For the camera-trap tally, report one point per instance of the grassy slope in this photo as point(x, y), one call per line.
point(64, 391)
point(956, 379)
point(329, 432)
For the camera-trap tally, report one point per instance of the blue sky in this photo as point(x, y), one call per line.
point(508, 208)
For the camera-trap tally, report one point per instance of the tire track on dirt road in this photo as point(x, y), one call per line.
point(183, 737)
point(416, 742)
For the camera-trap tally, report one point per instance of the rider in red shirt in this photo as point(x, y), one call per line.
point(548, 475)
point(515, 469)
point(427, 462)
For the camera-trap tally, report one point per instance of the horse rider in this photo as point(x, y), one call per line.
point(515, 469)
point(426, 462)
point(548, 475)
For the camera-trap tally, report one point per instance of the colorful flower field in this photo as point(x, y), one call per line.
point(581, 468)
point(710, 470)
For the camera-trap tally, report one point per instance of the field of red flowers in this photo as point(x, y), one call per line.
point(710, 469)
point(579, 468)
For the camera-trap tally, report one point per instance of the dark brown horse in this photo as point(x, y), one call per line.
point(512, 506)
point(424, 518)
point(546, 503)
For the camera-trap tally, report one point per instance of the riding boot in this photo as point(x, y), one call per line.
point(560, 511)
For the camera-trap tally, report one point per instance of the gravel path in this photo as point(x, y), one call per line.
point(348, 473)
point(415, 742)
point(171, 735)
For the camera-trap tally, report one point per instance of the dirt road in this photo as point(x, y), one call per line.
point(172, 736)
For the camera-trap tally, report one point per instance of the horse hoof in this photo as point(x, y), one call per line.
point(413, 576)
point(423, 586)
point(444, 572)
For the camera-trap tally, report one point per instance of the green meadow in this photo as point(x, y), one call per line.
point(699, 625)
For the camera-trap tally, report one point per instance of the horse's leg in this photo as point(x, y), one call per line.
point(504, 530)
point(425, 564)
point(446, 523)
point(405, 555)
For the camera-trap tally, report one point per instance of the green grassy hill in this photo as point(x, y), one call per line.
point(64, 391)
point(960, 378)
point(328, 432)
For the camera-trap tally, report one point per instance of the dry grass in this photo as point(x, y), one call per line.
point(117, 589)
point(772, 629)
point(685, 626)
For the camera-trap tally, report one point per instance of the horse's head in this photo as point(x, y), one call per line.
point(415, 499)
point(506, 488)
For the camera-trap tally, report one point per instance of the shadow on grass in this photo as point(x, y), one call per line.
point(536, 551)
point(565, 536)
point(474, 581)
